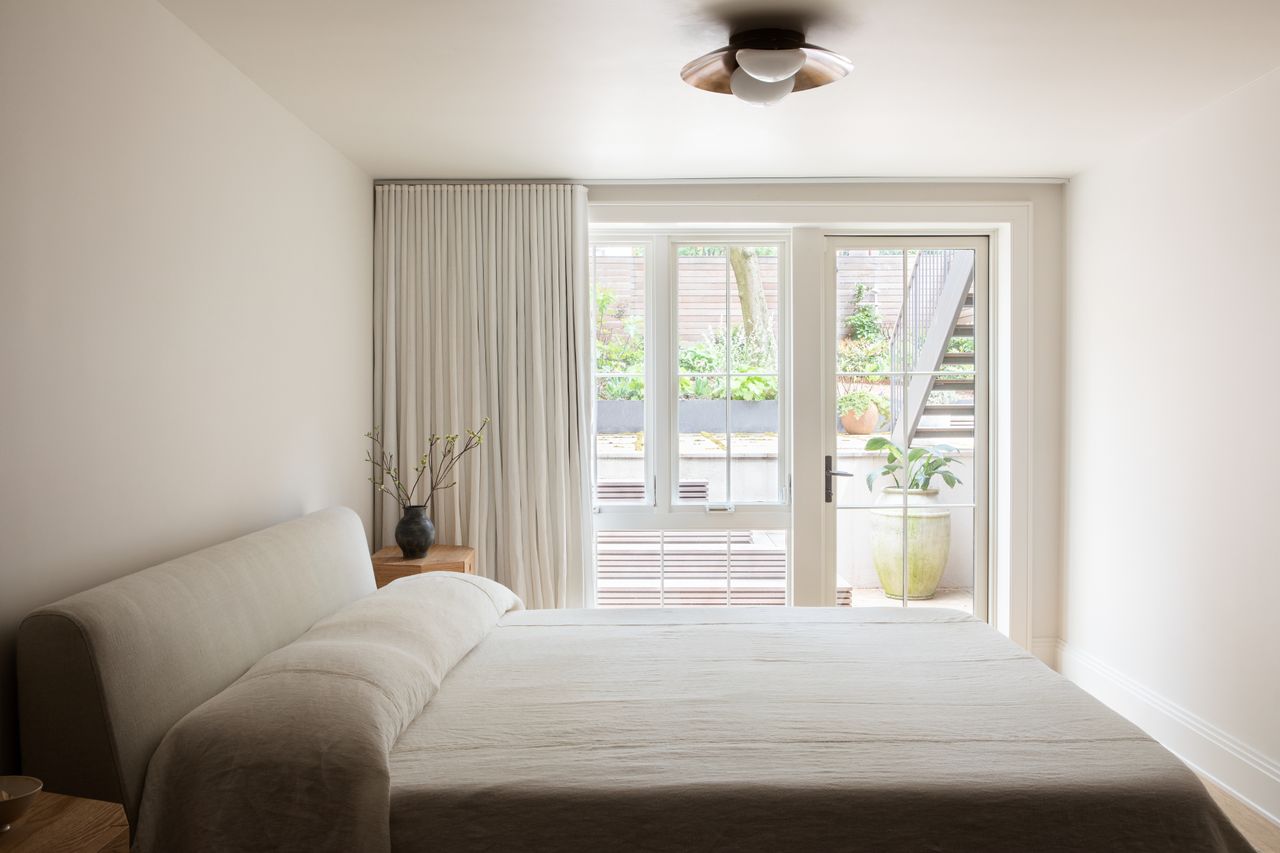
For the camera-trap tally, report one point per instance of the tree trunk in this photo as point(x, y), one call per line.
point(746, 270)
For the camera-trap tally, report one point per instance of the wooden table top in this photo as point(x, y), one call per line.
point(57, 822)
point(438, 554)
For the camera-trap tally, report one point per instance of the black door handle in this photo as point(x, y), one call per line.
point(831, 472)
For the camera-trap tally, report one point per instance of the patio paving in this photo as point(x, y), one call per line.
point(957, 599)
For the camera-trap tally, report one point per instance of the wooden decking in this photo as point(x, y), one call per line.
point(694, 568)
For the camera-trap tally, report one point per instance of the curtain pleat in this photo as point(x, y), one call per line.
point(481, 310)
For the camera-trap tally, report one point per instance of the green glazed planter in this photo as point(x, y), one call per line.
point(928, 542)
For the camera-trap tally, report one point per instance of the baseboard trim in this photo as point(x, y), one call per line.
point(1237, 768)
point(1046, 648)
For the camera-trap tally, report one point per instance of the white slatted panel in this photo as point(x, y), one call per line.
point(690, 568)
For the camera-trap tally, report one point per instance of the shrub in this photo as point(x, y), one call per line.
point(864, 323)
point(864, 357)
point(859, 400)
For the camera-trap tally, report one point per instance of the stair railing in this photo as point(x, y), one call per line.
point(930, 307)
point(919, 303)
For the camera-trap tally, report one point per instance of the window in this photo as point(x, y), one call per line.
point(727, 372)
point(691, 460)
point(619, 276)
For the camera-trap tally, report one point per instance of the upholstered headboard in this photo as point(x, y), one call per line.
point(103, 675)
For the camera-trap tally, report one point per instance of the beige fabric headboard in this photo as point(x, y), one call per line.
point(103, 675)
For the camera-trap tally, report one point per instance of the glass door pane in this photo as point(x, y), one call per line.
point(910, 422)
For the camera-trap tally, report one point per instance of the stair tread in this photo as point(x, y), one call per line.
point(962, 331)
point(948, 409)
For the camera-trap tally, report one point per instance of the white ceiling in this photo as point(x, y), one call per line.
point(590, 89)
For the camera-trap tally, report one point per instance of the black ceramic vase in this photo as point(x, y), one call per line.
point(415, 533)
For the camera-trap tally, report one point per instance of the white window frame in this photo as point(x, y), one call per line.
point(661, 511)
point(651, 248)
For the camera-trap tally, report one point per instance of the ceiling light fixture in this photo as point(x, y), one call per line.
point(762, 67)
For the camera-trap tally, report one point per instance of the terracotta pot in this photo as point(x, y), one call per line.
point(928, 541)
point(863, 424)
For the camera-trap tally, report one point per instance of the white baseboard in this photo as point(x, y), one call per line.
point(1245, 773)
point(1046, 648)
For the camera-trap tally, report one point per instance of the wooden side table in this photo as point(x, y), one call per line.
point(57, 822)
point(389, 565)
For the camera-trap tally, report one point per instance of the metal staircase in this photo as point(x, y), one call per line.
point(938, 292)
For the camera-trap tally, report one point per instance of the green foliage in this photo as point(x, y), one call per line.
point(921, 464)
point(748, 354)
point(701, 388)
point(864, 323)
point(604, 301)
point(869, 356)
point(865, 346)
point(702, 357)
point(618, 350)
point(754, 388)
point(622, 388)
point(859, 400)
point(750, 388)
point(964, 345)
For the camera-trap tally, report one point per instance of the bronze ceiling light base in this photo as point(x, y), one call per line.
point(714, 71)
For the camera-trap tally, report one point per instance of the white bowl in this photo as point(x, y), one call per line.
point(17, 793)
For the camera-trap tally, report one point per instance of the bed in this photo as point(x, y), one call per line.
point(261, 696)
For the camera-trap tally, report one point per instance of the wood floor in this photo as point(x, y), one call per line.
point(56, 824)
point(1260, 832)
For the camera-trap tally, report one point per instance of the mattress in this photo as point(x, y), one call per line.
point(774, 730)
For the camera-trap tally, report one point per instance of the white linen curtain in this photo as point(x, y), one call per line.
point(481, 309)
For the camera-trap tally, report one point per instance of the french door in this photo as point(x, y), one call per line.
point(904, 451)
point(719, 386)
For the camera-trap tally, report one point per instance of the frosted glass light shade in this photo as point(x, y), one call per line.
point(771, 66)
point(758, 92)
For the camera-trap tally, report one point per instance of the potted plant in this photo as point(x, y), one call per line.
point(860, 411)
point(928, 526)
point(415, 532)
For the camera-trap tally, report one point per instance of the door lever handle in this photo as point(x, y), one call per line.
point(831, 472)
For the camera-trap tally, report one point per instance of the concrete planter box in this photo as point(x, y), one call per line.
point(626, 416)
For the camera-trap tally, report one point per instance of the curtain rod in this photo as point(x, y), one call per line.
point(461, 181)
point(720, 181)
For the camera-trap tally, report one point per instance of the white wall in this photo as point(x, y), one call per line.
point(1171, 582)
point(186, 320)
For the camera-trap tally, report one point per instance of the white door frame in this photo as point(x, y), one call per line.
point(823, 527)
point(1009, 225)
